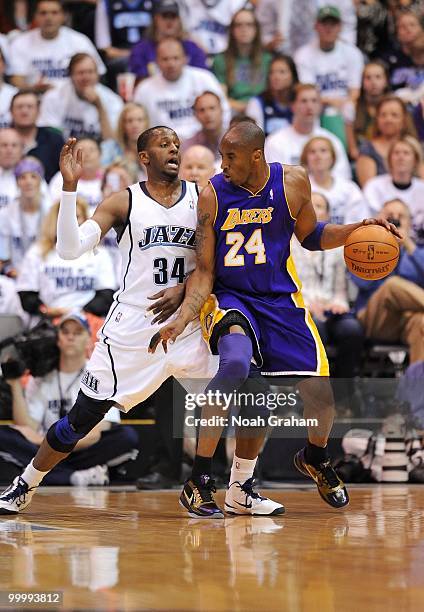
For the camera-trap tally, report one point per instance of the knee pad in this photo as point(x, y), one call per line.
point(85, 414)
point(235, 354)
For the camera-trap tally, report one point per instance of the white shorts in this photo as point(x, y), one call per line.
point(122, 369)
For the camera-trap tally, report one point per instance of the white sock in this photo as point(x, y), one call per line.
point(32, 476)
point(242, 469)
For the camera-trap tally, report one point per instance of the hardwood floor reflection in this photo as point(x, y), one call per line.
point(131, 550)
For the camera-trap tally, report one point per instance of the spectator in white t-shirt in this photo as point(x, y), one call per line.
point(286, 144)
point(21, 220)
point(90, 183)
point(346, 201)
point(11, 151)
point(40, 57)
point(53, 286)
point(169, 96)
point(401, 183)
point(80, 105)
point(6, 94)
point(197, 165)
point(334, 66)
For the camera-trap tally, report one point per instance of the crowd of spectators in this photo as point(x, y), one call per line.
point(337, 86)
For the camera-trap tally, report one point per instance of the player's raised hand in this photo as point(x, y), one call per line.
point(389, 226)
point(167, 302)
point(168, 333)
point(70, 163)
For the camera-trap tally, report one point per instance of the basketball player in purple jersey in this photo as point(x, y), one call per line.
point(247, 216)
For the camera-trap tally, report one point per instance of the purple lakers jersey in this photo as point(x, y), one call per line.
point(253, 233)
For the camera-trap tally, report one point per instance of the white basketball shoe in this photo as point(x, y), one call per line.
point(16, 497)
point(242, 499)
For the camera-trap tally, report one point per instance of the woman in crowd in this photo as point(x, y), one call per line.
point(90, 183)
point(346, 201)
point(272, 109)
point(132, 121)
point(142, 60)
point(51, 286)
point(20, 221)
point(392, 122)
point(324, 289)
point(400, 183)
point(375, 84)
point(243, 67)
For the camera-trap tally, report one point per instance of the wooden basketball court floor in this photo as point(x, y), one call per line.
point(122, 549)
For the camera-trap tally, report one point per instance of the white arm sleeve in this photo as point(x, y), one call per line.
point(74, 240)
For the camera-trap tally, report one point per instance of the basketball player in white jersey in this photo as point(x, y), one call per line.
point(155, 223)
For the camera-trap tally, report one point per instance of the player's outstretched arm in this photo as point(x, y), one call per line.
point(313, 235)
point(200, 282)
point(74, 240)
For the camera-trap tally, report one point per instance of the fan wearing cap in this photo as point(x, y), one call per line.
point(20, 221)
point(48, 397)
point(166, 24)
point(334, 66)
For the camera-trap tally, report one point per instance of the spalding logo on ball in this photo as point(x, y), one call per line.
point(371, 252)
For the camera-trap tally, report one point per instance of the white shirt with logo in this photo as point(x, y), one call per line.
point(62, 108)
point(334, 72)
point(171, 102)
point(33, 56)
point(70, 283)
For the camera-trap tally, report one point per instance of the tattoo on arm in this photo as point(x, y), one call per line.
point(202, 221)
point(195, 301)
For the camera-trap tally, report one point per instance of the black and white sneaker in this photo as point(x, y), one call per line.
point(242, 499)
point(16, 497)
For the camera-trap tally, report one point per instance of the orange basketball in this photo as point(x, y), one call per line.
point(371, 252)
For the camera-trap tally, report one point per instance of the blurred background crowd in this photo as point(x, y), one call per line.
point(336, 86)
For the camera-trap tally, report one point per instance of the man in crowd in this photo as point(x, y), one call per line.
point(197, 165)
point(39, 58)
point(169, 95)
point(286, 144)
point(208, 112)
point(80, 105)
point(40, 142)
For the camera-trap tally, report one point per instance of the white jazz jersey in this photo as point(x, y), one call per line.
point(158, 251)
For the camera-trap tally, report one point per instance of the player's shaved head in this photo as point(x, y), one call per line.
point(246, 134)
point(146, 136)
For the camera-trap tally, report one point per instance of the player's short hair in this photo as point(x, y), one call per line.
point(249, 134)
point(145, 137)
